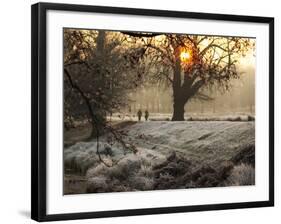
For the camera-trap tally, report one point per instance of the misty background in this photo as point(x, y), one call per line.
point(239, 99)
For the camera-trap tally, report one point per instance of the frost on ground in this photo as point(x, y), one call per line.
point(170, 155)
point(191, 117)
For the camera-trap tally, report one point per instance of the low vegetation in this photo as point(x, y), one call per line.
point(199, 160)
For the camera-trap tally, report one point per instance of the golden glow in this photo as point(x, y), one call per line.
point(185, 56)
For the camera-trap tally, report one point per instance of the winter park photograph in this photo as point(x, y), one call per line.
point(149, 111)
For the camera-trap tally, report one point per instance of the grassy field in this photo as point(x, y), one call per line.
point(169, 155)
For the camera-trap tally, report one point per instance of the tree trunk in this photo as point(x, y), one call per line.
point(178, 114)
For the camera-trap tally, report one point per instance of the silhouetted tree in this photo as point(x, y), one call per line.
point(97, 75)
point(189, 63)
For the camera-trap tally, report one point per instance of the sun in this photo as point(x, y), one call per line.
point(185, 56)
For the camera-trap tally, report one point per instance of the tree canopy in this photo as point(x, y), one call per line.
point(101, 67)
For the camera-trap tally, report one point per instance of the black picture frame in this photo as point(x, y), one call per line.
point(39, 107)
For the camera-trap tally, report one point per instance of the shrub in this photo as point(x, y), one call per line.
point(129, 174)
point(243, 174)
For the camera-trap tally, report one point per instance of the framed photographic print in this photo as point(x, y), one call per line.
point(139, 111)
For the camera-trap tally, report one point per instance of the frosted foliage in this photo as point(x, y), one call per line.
point(242, 174)
point(201, 149)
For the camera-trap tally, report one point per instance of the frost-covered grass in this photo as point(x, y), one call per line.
point(201, 148)
point(83, 155)
point(202, 141)
point(243, 174)
point(189, 117)
point(222, 118)
point(133, 172)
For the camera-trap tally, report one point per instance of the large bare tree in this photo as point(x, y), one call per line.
point(189, 63)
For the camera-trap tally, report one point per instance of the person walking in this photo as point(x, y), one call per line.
point(146, 115)
point(139, 114)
